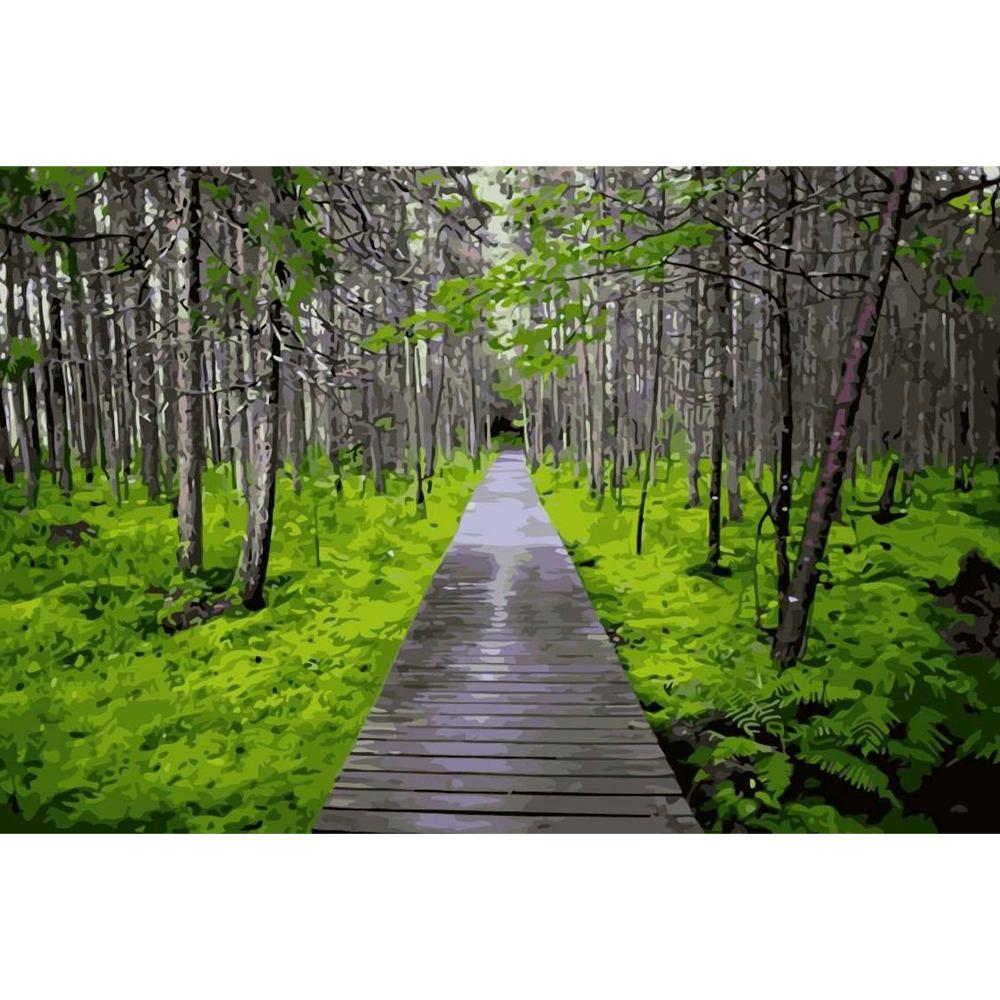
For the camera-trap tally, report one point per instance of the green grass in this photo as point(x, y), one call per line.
point(850, 738)
point(108, 723)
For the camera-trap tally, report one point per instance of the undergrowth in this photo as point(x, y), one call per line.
point(880, 726)
point(238, 723)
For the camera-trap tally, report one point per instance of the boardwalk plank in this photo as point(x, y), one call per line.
point(477, 733)
point(624, 699)
point(527, 669)
point(501, 710)
point(432, 678)
point(573, 804)
point(558, 767)
point(507, 686)
point(361, 821)
point(528, 783)
point(469, 748)
point(410, 717)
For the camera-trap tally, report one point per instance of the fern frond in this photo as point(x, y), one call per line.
point(854, 770)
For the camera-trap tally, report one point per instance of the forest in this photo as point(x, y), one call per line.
point(243, 409)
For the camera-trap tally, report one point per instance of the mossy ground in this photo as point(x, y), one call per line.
point(242, 722)
point(849, 738)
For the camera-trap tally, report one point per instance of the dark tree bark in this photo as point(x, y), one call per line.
point(888, 497)
point(6, 452)
point(782, 504)
point(189, 370)
point(720, 315)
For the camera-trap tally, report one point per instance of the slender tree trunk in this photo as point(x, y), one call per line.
point(24, 418)
point(721, 316)
point(789, 640)
point(415, 425)
point(472, 422)
point(264, 463)
point(6, 451)
point(189, 370)
point(651, 431)
point(432, 437)
point(888, 497)
point(59, 431)
point(139, 328)
point(617, 378)
point(694, 427)
point(782, 503)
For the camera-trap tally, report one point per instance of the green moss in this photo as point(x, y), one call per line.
point(242, 722)
point(876, 704)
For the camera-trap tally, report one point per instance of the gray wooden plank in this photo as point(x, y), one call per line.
point(408, 717)
point(475, 734)
point(470, 748)
point(500, 709)
point(513, 687)
point(403, 667)
point(542, 804)
point(528, 783)
point(487, 675)
point(360, 821)
point(442, 696)
point(461, 626)
point(556, 767)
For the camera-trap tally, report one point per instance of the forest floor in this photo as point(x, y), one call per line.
point(881, 725)
point(108, 722)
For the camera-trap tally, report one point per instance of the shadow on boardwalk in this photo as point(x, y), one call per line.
point(507, 709)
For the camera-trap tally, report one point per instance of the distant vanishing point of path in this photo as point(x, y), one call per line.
point(507, 710)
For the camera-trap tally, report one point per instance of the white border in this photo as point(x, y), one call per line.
point(485, 917)
point(500, 81)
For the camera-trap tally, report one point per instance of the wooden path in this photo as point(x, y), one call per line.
point(507, 710)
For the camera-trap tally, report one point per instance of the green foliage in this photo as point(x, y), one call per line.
point(563, 241)
point(242, 722)
point(53, 192)
point(966, 291)
point(846, 739)
point(22, 355)
point(922, 247)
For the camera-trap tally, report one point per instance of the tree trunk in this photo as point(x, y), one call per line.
point(6, 451)
point(720, 314)
point(264, 463)
point(432, 437)
point(472, 421)
point(651, 431)
point(189, 382)
point(782, 503)
point(24, 419)
point(139, 327)
point(414, 423)
point(888, 497)
point(59, 431)
point(789, 640)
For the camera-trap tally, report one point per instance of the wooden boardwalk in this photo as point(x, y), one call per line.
point(507, 709)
